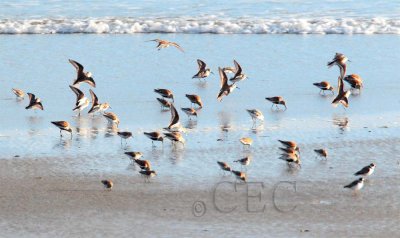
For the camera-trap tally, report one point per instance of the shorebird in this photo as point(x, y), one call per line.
point(189, 112)
point(143, 164)
point(175, 137)
point(164, 103)
point(19, 93)
point(226, 89)
point(195, 99)
point(291, 159)
point(277, 101)
point(229, 70)
point(246, 141)
point(165, 44)
point(322, 153)
point(366, 171)
point(174, 122)
point(165, 93)
point(82, 77)
point(108, 184)
point(203, 72)
point(240, 175)
point(343, 96)
point(133, 155)
point(81, 101)
point(324, 86)
point(354, 80)
point(290, 144)
point(244, 162)
point(255, 114)
point(124, 135)
point(63, 126)
point(111, 118)
point(148, 174)
point(154, 136)
point(239, 76)
point(356, 185)
point(96, 106)
point(339, 59)
point(224, 166)
point(34, 103)
point(289, 150)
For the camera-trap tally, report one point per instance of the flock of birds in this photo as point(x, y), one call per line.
point(290, 149)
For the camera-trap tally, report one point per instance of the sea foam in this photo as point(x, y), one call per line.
point(201, 25)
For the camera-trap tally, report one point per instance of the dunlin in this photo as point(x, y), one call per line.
point(203, 72)
point(82, 77)
point(324, 86)
point(63, 126)
point(154, 136)
point(195, 99)
point(165, 44)
point(278, 100)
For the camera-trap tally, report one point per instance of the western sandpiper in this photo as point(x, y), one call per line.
point(165, 44)
point(255, 114)
point(96, 106)
point(164, 103)
point(324, 86)
point(174, 122)
point(278, 100)
point(134, 155)
point(339, 59)
point(203, 72)
point(154, 136)
point(354, 80)
point(175, 137)
point(81, 101)
point(124, 135)
point(34, 102)
point(239, 76)
point(165, 93)
point(63, 126)
point(82, 77)
point(224, 166)
point(112, 118)
point(195, 99)
point(290, 144)
point(244, 162)
point(189, 112)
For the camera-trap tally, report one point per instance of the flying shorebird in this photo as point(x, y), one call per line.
point(81, 101)
point(278, 100)
point(189, 112)
point(226, 89)
point(255, 114)
point(96, 106)
point(246, 141)
point(82, 77)
point(195, 99)
point(112, 118)
point(165, 93)
point(108, 184)
point(356, 185)
point(174, 122)
point(290, 144)
point(148, 174)
point(19, 93)
point(175, 137)
point(154, 136)
point(124, 135)
point(224, 166)
point(63, 126)
point(339, 59)
point(203, 72)
point(355, 81)
point(164, 103)
point(34, 103)
point(324, 86)
point(165, 44)
point(229, 70)
point(322, 153)
point(343, 96)
point(366, 171)
point(240, 175)
point(239, 76)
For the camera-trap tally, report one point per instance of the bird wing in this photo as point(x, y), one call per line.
point(223, 78)
point(202, 65)
point(78, 66)
point(79, 94)
point(177, 46)
point(95, 100)
point(31, 98)
point(174, 116)
point(237, 67)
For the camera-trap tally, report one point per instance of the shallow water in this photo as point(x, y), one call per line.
point(127, 69)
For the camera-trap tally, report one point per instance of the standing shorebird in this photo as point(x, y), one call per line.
point(147, 174)
point(324, 86)
point(81, 101)
point(124, 135)
point(246, 141)
point(255, 114)
point(291, 159)
point(278, 100)
point(143, 164)
point(165, 93)
point(244, 162)
point(108, 184)
point(96, 106)
point(224, 166)
point(203, 72)
point(34, 103)
point(366, 171)
point(175, 137)
point(240, 175)
point(63, 126)
point(112, 118)
point(164, 103)
point(226, 89)
point(356, 185)
point(322, 153)
point(82, 77)
point(154, 136)
point(195, 99)
point(189, 112)
point(165, 44)
point(239, 76)
point(290, 144)
point(355, 81)
point(134, 155)
point(19, 93)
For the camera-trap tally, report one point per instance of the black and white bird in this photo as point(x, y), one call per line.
point(82, 76)
point(356, 185)
point(366, 171)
